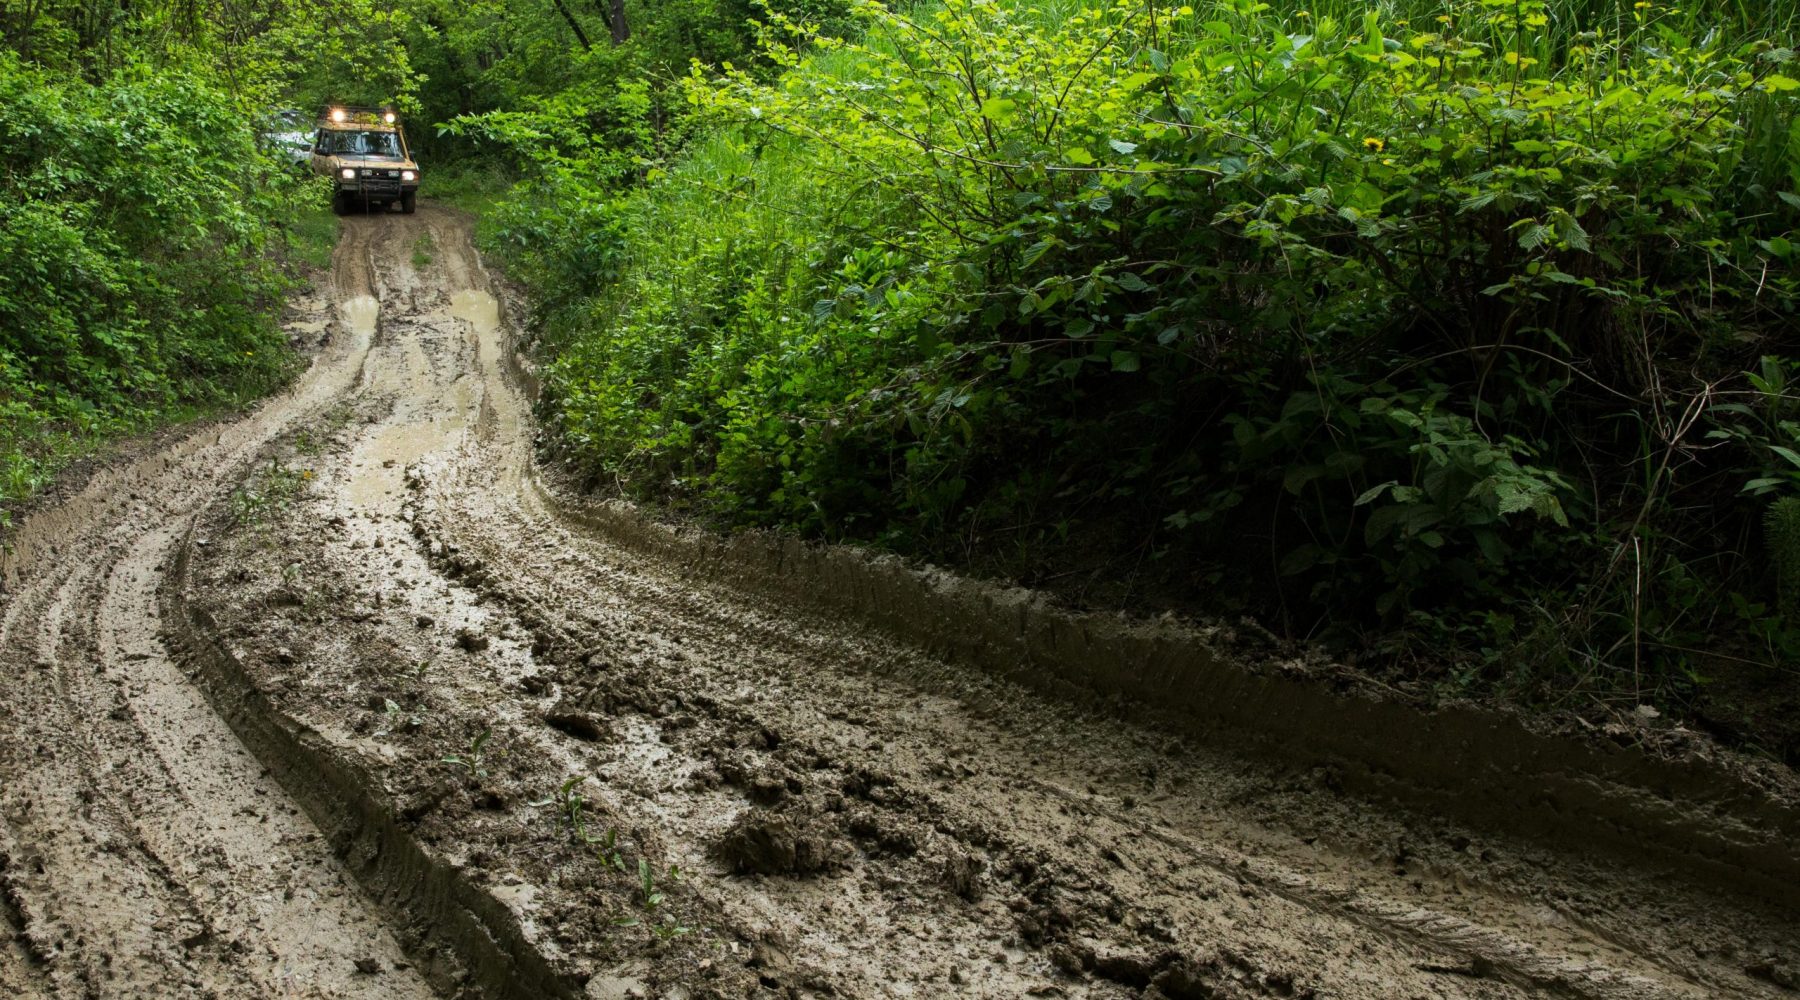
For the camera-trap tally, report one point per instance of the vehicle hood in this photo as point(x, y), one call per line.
point(361, 162)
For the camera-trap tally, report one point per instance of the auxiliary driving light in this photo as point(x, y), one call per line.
point(347, 174)
point(389, 117)
point(338, 114)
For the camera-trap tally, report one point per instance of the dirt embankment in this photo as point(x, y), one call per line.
point(563, 752)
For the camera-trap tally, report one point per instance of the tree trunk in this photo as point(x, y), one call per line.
point(574, 25)
point(620, 30)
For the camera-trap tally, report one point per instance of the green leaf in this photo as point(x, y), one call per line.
point(999, 109)
point(1078, 155)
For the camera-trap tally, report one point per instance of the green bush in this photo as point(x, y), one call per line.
point(137, 272)
point(1441, 334)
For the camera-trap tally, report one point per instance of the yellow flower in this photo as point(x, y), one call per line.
point(1372, 143)
point(1302, 14)
point(1641, 5)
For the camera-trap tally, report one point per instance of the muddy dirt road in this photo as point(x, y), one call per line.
point(344, 699)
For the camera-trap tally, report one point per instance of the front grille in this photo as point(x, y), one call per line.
point(378, 182)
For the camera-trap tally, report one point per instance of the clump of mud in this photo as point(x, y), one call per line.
point(767, 842)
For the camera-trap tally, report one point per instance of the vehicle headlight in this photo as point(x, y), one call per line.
point(407, 175)
point(347, 174)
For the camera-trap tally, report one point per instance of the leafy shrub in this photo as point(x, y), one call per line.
point(137, 270)
point(1437, 331)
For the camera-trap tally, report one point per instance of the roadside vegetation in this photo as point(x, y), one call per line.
point(147, 234)
point(1460, 336)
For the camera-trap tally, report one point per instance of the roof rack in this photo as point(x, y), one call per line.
point(354, 114)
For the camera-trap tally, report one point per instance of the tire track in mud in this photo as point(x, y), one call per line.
point(146, 852)
point(686, 630)
point(1277, 877)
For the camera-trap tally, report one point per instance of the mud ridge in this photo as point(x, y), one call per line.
point(1716, 814)
point(465, 942)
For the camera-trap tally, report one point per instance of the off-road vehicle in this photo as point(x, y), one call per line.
point(364, 152)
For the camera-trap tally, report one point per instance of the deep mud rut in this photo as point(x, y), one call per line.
point(227, 720)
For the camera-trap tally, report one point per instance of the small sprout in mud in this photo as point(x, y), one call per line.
point(394, 719)
point(571, 809)
point(306, 444)
point(472, 761)
point(647, 883)
point(569, 806)
point(669, 929)
point(606, 848)
point(290, 574)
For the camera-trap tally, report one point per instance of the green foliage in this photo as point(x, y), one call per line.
point(312, 232)
point(1408, 324)
point(138, 268)
point(1781, 529)
point(474, 760)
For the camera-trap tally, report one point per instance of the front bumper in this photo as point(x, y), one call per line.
point(376, 184)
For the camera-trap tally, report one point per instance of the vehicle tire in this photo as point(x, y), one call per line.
point(340, 203)
point(409, 202)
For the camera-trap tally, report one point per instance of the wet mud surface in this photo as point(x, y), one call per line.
point(338, 700)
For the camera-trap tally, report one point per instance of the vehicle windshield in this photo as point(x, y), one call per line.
point(344, 142)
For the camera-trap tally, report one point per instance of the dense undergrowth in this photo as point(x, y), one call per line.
point(139, 269)
point(1460, 334)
